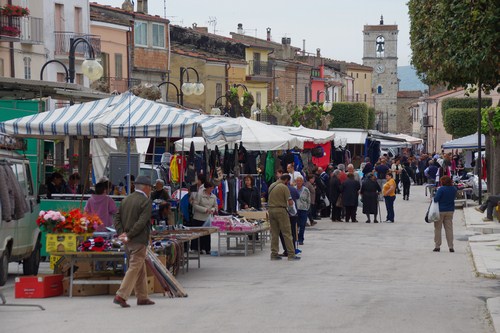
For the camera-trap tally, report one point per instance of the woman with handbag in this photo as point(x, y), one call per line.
point(204, 205)
point(445, 196)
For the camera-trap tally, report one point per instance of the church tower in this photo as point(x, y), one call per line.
point(380, 51)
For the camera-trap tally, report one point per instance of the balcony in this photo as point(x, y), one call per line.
point(63, 44)
point(260, 70)
point(31, 30)
point(426, 122)
point(10, 28)
point(110, 84)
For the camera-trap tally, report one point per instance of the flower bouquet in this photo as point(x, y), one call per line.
point(48, 220)
point(9, 31)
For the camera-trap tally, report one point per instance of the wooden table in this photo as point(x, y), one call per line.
point(186, 236)
point(73, 257)
point(243, 235)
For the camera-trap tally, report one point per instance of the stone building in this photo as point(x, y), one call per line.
point(380, 53)
point(404, 122)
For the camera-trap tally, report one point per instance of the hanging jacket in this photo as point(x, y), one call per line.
point(270, 162)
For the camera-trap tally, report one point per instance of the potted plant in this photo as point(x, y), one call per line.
point(9, 31)
point(13, 10)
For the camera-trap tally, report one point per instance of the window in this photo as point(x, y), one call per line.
point(1, 67)
point(379, 90)
point(118, 66)
point(158, 35)
point(218, 90)
point(105, 64)
point(277, 92)
point(78, 20)
point(61, 77)
point(258, 99)
point(365, 75)
point(365, 95)
point(59, 17)
point(306, 94)
point(357, 75)
point(141, 33)
point(357, 96)
point(27, 68)
point(18, 169)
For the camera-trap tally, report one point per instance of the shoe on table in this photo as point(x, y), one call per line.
point(487, 219)
point(479, 209)
point(452, 250)
point(295, 258)
point(145, 301)
point(121, 302)
point(436, 249)
point(276, 258)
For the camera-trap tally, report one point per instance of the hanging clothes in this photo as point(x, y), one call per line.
point(174, 169)
point(227, 161)
point(251, 162)
point(236, 169)
point(270, 164)
point(206, 168)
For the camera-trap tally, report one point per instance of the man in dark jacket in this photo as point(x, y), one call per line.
point(431, 172)
point(133, 223)
point(350, 189)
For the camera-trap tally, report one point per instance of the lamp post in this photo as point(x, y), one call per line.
point(177, 94)
point(91, 69)
point(189, 88)
point(327, 104)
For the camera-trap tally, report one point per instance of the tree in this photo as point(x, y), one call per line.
point(311, 116)
point(244, 109)
point(490, 124)
point(350, 115)
point(456, 42)
point(460, 122)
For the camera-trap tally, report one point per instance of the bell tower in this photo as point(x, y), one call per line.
point(380, 51)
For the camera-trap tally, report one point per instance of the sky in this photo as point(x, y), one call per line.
point(334, 26)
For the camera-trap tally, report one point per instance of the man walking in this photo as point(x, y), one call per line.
point(133, 223)
point(279, 200)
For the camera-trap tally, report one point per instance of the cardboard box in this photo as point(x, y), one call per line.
point(113, 288)
point(253, 214)
point(86, 289)
point(64, 242)
point(40, 286)
point(82, 268)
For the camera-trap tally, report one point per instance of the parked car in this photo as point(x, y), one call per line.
point(20, 237)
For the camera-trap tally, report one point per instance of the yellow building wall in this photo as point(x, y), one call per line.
point(362, 85)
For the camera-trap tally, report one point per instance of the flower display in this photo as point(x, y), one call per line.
point(10, 31)
point(73, 221)
point(13, 10)
point(48, 220)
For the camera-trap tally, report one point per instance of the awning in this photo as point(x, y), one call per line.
point(384, 143)
point(308, 134)
point(466, 142)
point(122, 116)
point(410, 139)
point(255, 136)
point(353, 136)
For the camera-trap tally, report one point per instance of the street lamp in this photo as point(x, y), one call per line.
point(91, 68)
point(327, 104)
point(189, 88)
point(176, 89)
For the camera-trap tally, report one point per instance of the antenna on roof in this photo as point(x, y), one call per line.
point(164, 9)
point(212, 20)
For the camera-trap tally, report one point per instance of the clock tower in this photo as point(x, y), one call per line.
point(380, 51)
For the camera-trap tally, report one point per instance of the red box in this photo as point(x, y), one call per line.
point(40, 286)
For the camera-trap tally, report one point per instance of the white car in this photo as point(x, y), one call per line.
point(20, 237)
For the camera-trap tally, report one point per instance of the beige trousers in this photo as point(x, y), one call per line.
point(135, 277)
point(279, 221)
point(446, 220)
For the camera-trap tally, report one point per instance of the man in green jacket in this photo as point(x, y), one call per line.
point(133, 223)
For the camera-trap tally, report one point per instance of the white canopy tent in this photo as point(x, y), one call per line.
point(352, 135)
point(308, 134)
point(122, 116)
point(255, 136)
point(410, 139)
point(466, 142)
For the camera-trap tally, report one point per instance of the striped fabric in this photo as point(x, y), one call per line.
point(121, 116)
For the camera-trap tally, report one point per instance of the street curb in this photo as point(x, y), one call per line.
point(493, 306)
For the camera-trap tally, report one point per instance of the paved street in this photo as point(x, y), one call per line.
point(353, 277)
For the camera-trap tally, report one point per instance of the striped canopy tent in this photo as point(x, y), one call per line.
point(122, 116)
